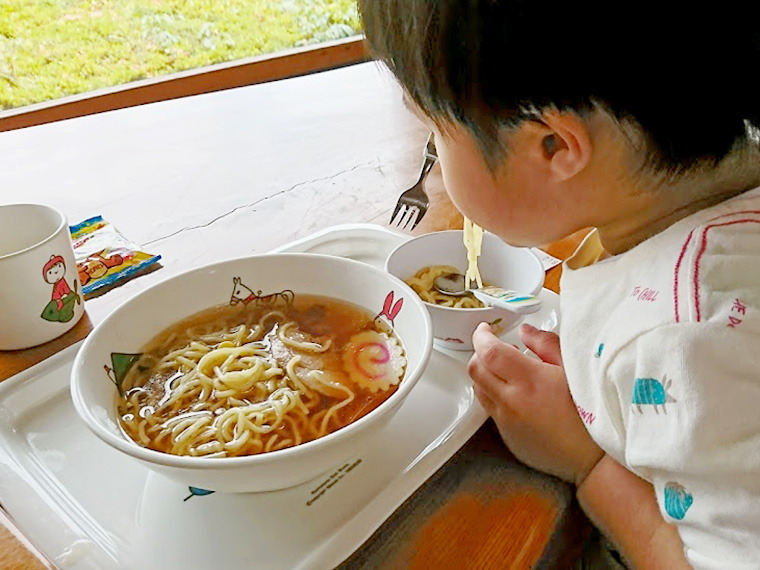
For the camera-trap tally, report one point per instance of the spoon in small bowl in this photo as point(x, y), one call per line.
point(520, 303)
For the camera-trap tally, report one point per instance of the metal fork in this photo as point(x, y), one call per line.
point(413, 203)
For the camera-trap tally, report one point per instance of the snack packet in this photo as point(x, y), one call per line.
point(104, 256)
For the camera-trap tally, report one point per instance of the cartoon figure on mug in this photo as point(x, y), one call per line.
point(63, 299)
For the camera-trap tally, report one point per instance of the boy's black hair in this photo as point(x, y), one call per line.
point(684, 75)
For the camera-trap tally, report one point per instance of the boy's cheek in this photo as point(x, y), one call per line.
point(467, 189)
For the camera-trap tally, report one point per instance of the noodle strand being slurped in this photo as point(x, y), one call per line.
point(213, 387)
point(472, 236)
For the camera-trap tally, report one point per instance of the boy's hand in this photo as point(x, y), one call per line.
point(531, 404)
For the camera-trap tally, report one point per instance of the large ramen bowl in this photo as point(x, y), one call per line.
point(114, 345)
point(499, 264)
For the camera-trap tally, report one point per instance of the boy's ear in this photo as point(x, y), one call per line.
point(565, 144)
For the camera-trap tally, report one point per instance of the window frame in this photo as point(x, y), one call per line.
point(217, 77)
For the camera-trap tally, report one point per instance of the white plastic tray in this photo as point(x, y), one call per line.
point(87, 507)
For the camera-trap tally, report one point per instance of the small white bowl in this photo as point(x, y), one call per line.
point(137, 321)
point(499, 264)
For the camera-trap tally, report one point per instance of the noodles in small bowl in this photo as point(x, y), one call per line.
point(423, 284)
point(247, 376)
point(419, 260)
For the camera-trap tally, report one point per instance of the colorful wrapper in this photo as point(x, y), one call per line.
point(104, 256)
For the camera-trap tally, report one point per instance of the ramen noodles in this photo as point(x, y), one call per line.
point(422, 283)
point(231, 382)
point(472, 235)
point(423, 280)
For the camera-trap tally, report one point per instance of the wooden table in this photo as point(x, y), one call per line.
point(240, 172)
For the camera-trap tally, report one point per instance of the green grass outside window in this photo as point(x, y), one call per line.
point(53, 48)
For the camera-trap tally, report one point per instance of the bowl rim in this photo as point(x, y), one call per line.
point(127, 445)
point(474, 310)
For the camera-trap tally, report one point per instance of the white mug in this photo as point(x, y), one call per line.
point(40, 294)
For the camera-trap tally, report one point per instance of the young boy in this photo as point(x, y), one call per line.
point(551, 117)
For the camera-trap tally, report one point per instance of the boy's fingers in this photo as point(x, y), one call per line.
point(495, 388)
point(543, 344)
point(485, 400)
point(502, 359)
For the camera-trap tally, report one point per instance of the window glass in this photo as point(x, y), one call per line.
point(54, 48)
